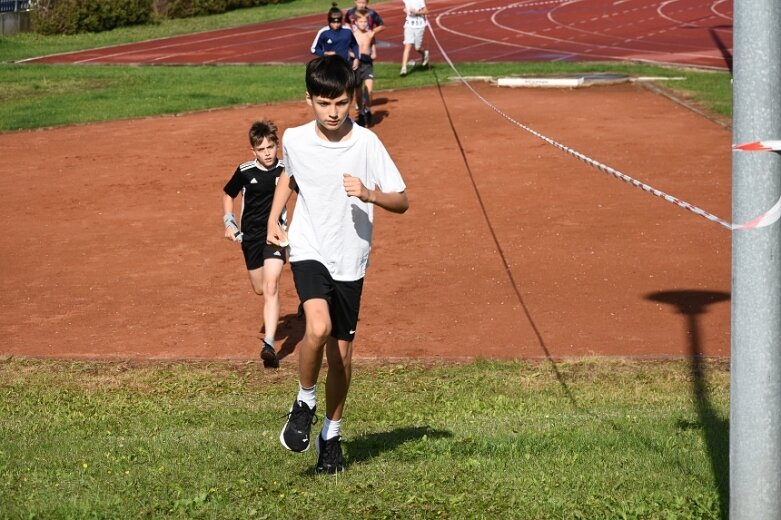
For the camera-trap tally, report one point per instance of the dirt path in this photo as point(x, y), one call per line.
point(113, 245)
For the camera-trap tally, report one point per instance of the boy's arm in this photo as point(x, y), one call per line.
point(378, 24)
point(282, 193)
point(316, 47)
point(356, 51)
point(395, 202)
point(229, 219)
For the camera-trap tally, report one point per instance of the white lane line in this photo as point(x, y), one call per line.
point(591, 46)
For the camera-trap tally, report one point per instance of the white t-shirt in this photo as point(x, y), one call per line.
point(414, 20)
point(329, 226)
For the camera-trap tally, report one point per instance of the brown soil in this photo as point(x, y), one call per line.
point(113, 245)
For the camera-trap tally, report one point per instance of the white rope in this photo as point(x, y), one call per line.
point(767, 218)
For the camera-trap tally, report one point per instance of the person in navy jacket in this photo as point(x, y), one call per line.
point(336, 39)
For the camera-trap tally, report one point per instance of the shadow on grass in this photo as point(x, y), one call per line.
point(715, 429)
point(374, 444)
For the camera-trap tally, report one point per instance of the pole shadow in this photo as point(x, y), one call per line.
point(693, 301)
point(716, 430)
point(726, 52)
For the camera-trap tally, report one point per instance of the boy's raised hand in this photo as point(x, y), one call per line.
point(276, 235)
point(355, 188)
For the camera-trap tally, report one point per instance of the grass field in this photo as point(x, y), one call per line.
point(581, 440)
point(35, 96)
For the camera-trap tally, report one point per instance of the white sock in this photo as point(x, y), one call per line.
point(269, 340)
point(330, 429)
point(307, 395)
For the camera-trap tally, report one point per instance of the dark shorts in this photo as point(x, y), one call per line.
point(256, 252)
point(365, 71)
point(313, 280)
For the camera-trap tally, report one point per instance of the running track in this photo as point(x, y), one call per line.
point(680, 32)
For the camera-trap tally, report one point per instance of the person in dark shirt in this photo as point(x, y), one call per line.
point(374, 20)
point(256, 180)
point(336, 39)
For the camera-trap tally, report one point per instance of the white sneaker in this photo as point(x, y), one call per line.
point(403, 71)
point(424, 63)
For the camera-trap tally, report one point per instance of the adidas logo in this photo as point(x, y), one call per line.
point(253, 181)
point(277, 253)
point(329, 41)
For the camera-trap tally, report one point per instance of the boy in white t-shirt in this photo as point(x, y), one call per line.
point(342, 171)
point(414, 29)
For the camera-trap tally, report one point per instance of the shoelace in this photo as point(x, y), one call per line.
point(298, 416)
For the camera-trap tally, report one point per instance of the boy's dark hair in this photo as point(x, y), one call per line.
point(334, 12)
point(329, 77)
point(261, 130)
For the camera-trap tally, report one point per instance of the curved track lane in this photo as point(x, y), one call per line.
point(681, 32)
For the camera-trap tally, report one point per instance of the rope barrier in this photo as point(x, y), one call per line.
point(769, 217)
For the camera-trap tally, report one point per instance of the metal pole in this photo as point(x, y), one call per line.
point(755, 391)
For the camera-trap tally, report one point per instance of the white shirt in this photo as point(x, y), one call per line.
point(414, 20)
point(329, 226)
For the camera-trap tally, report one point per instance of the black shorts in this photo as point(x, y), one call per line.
point(313, 280)
point(258, 251)
point(365, 71)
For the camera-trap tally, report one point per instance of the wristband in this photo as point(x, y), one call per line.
point(229, 220)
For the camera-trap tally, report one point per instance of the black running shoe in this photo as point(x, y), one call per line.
point(367, 118)
point(269, 356)
point(361, 121)
point(295, 434)
point(329, 459)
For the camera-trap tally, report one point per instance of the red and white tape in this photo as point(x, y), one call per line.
point(758, 146)
point(765, 219)
point(773, 214)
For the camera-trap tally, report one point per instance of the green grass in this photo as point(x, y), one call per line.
point(34, 96)
point(591, 439)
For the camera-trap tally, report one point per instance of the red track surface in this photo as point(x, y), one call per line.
point(682, 32)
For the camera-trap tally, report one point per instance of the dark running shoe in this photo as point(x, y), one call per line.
point(361, 120)
point(329, 458)
point(367, 118)
point(295, 434)
point(269, 356)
